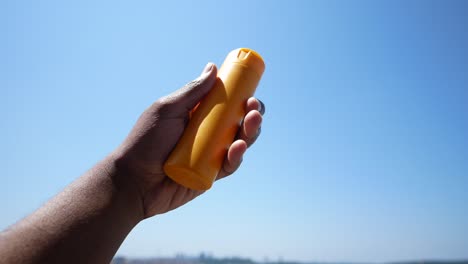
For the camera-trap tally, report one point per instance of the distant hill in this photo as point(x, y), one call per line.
point(203, 259)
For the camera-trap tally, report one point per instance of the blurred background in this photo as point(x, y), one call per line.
point(363, 155)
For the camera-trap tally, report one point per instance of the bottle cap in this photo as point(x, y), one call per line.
point(248, 58)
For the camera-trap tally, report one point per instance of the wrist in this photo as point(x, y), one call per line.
point(127, 194)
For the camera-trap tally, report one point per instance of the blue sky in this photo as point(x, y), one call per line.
point(363, 154)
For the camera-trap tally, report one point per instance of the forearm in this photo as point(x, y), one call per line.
point(85, 223)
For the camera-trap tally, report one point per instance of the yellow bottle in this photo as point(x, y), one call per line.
point(199, 154)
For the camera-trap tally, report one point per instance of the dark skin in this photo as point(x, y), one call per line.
point(90, 218)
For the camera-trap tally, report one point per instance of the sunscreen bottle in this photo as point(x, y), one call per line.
point(200, 152)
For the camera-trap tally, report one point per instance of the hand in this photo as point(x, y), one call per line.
point(89, 219)
point(141, 157)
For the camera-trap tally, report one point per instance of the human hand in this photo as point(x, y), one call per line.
point(140, 158)
point(89, 219)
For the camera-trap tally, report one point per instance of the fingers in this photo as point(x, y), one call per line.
point(233, 158)
point(187, 97)
point(248, 133)
point(250, 127)
point(255, 104)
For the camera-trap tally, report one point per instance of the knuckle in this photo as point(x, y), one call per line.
point(193, 83)
point(162, 105)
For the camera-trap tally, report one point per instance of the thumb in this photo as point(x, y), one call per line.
point(187, 97)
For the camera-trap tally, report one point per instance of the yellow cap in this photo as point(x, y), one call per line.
point(247, 57)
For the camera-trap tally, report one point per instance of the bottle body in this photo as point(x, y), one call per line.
point(200, 152)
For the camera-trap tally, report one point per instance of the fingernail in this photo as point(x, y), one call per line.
point(207, 68)
point(261, 107)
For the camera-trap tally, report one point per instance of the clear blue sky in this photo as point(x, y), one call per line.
point(364, 150)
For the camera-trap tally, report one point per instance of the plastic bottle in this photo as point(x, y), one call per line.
point(200, 152)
